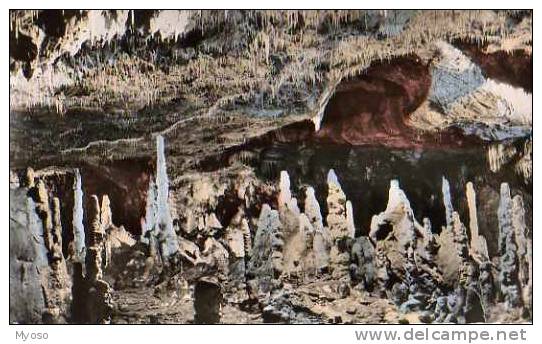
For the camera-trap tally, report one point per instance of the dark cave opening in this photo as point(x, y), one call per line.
point(126, 183)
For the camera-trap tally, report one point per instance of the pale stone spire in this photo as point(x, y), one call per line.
point(77, 222)
point(447, 199)
point(166, 235)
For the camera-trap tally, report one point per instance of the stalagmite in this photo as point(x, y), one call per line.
point(428, 249)
point(99, 302)
point(399, 214)
point(77, 222)
point(508, 276)
point(247, 237)
point(465, 268)
point(105, 213)
point(341, 229)
point(447, 199)
point(336, 204)
point(288, 207)
point(266, 259)
point(478, 244)
point(473, 216)
point(150, 213)
point(350, 220)
point(306, 246)
point(44, 212)
point(166, 235)
point(285, 195)
point(234, 236)
point(524, 251)
point(28, 179)
point(56, 247)
point(312, 209)
point(235, 239)
point(460, 236)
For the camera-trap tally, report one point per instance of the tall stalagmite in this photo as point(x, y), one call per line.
point(77, 222)
point(166, 235)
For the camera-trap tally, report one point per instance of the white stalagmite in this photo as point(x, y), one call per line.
point(350, 220)
point(524, 249)
point(150, 213)
point(285, 195)
point(473, 218)
point(77, 222)
point(105, 213)
point(478, 243)
point(447, 199)
point(399, 214)
point(166, 235)
point(336, 205)
point(332, 178)
point(287, 208)
point(312, 209)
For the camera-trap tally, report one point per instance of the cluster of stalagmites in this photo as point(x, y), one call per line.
point(73, 284)
point(446, 277)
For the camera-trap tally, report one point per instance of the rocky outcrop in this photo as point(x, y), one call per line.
point(28, 260)
point(40, 282)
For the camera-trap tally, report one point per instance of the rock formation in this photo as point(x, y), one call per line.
point(524, 252)
point(77, 223)
point(336, 203)
point(167, 238)
point(508, 275)
point(266, 258)
point(99, 303)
